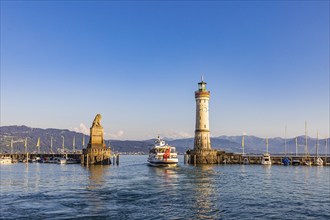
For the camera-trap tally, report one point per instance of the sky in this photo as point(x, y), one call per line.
point(137, 63)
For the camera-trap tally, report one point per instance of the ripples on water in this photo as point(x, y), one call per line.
point(134, 190)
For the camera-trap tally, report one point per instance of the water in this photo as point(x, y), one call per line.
point(134, 190)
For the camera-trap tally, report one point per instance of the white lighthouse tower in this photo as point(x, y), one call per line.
point(202, 152)
point(202, 129)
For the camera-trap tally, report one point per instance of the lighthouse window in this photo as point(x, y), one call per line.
point(204, 126)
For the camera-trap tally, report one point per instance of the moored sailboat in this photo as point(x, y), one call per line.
point(318, 161)
point(296, 162)
point(266, 160)
point(286, 161)
point(308, 161)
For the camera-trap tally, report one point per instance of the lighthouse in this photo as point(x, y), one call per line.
point(202, 129)
point(202, 152)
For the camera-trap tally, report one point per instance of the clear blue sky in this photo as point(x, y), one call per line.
point(138, 64)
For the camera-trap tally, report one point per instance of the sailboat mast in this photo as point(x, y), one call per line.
point(51, 144)
point(296, 146)
point(83, 141)
point(317, 143)
point(12, 146)
point(243, 144)
point(74, 143)
point(285, 142)
point(63, 144)
point(306, 147)
point(38, 145)
point(267, 145)
point(326, 148)
point(25, 145)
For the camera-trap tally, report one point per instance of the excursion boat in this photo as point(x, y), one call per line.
point(5, 160)
point(162, 154)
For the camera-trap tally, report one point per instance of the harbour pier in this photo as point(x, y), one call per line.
point(34, 155)
point(222, 157)
point(276, 159)
point(20, 157)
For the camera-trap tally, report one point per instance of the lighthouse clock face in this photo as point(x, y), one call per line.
point(203, 109)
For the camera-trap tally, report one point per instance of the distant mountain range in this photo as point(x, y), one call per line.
point(227, 143)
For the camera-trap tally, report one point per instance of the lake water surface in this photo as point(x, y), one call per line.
point(134, 190)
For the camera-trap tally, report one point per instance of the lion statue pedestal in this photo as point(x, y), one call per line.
point(96, 151)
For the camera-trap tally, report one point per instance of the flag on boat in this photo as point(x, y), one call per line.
point(167, 153)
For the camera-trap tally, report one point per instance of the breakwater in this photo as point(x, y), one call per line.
point(223, 157)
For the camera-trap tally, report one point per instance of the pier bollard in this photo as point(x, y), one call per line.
point(185, 158)
point(113, 160)
point(117, 160)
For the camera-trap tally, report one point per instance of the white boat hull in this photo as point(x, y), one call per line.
point(6, 160)
point(318, 162)
point(266, 160)
point(162, 163)
point(266, 163)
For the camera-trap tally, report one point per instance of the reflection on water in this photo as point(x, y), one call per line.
point(204, 193)
point(134, 190)
point(96, 175)
point(168, 175)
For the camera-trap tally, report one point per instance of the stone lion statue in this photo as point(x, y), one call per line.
point(97, 120)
